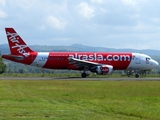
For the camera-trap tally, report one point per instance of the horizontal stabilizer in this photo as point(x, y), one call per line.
point(17, 57)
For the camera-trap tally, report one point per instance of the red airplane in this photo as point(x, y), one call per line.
point(98, 62)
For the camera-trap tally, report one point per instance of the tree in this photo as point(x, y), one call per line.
point(2, 66)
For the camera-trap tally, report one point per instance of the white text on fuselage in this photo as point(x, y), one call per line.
point(20, 48)
point(100, 57)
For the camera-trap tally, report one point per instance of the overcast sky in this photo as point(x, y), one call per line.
point(104, 23)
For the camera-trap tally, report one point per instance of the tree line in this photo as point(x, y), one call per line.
point(3, 66)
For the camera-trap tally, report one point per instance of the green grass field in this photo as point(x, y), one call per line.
point(79, 100)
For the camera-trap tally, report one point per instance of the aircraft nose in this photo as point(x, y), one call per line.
point(155, 63)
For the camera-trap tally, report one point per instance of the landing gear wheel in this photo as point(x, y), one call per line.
point(83, 75)
point(137, 76)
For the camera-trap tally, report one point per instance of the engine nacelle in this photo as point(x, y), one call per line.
point(104, 69)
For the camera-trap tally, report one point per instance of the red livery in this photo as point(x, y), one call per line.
point(98, 62)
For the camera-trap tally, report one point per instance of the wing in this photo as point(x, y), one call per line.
point(83, 63)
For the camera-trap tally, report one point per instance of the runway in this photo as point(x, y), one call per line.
point(81, 79)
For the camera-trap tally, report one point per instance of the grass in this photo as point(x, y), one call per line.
point(79, 100)
point(78, 74)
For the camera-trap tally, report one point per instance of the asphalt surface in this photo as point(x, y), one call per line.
point(78, 78)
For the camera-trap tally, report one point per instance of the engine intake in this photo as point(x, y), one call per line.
point(104, 69)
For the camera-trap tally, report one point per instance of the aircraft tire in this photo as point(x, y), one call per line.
point(83, 75)
point(137, 76)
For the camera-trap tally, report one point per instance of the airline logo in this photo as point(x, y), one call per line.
point(100, 57)
point(105, 69)
point(14, 39)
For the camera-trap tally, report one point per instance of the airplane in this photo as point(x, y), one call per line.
point(98, 62)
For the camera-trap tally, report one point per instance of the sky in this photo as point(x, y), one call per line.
point(131, 24)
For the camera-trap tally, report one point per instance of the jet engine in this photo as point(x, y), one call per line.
point(104, 69)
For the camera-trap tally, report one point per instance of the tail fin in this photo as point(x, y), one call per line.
point(16, 44)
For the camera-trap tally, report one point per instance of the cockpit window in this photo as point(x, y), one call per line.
point(148, 58)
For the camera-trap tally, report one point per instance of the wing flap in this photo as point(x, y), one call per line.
point(83, 63)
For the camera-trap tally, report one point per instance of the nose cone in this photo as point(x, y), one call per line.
point(155, 63)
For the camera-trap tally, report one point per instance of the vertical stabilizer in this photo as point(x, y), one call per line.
point(16, 44)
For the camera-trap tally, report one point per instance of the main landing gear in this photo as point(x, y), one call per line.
point(84, 75)
point(137, 76)
point(130, 73)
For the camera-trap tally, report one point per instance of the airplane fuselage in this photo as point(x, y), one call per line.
point(59, 60)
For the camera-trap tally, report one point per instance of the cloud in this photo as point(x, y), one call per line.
point(26, 4)
point(2, 2)
point(55, 22)
point(140, 27)
point(110, 23)
point(97, 1)
point(3, 14)
point(85, 10)
point(42, 27)
point(129, 2)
